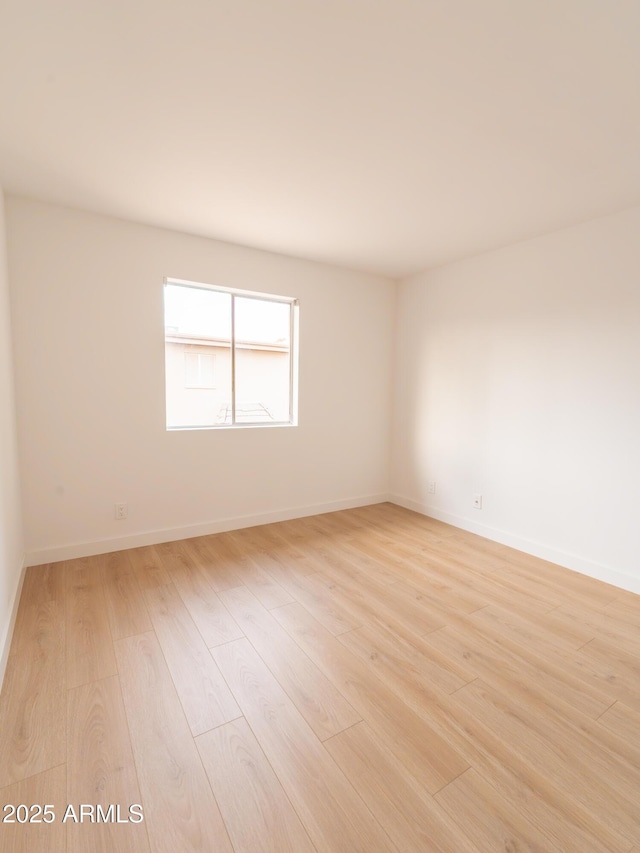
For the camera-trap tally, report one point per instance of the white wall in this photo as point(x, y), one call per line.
point(89, 350)
point(518, 377)
point(11, 544)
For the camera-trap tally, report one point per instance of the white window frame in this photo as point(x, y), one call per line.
point(293, 353)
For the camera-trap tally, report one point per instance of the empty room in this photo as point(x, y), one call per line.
point(319, 418)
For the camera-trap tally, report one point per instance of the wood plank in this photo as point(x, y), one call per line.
point(264, 537)
point(331, 812)
point(625, 609)
point(537, 796)
point(180, 810)
point(421, 555)
point(623, 721)
point(572, 632)
point(493, 590)
point(570, 759)
point(268, 592)
point(46, 788)
point(410, 816)
point(399, 521)
point(533, 633)
point(283, 534)
point(41, 584)
point(328, 610)
point(518, 783)
point(525, 789)
point(148, 567)
point(604, 676)
point(339, 525)
point(335, 524)
point(408, 536)
point(425, 754)
point(101, 769)
point(416, 571)
point(373, 543)
point(486, 819)
point(388, 601)
point(125, 600)
point(537, 576)
point(598, 592)
point(615, 667)
point(90, 654)
point(472, 568)
point(222, 569)
point(438, 604)
point(289, 561)
point(548, 666)
point(44, 583)
point(211, 617)
point(616, 758)
point(33, 699)
point(255, 808)
point(205, 697)
point(341, 556)
point(459, 553)
point(519, 671)
point(362, 609)
point(320, 703)
point(622, 627)
point(411, 660)
point(536, 707)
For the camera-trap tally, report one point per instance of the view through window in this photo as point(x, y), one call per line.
point(229, 357)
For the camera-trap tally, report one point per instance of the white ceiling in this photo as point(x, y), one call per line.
point(385, 135)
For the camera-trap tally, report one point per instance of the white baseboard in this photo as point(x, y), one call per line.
point(529, 546)
point(154, 537)
point(8, 632)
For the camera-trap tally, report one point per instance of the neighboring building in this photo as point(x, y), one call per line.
point(198, 378)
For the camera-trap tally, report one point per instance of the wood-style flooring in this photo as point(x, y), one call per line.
point(361, 681)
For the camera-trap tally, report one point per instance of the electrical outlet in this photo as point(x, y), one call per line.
point(121, 511)
point(477, 501)
point(432, 487)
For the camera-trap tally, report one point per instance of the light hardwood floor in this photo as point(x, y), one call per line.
point(368, 680)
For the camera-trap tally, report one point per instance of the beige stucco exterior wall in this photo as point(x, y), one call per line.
point(262, 386)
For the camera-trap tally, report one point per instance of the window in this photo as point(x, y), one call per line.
point(198, 369)
point(230, 357)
